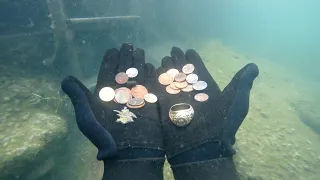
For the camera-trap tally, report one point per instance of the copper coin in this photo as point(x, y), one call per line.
point(172, 91)
point(136, 107)
point(139, 91)
point(181, 85)
point(172, 72)
point(201, 97)
point(188, 68)
point(187, 89)
point(121, 78)
point(106, 94)
point(165, 79)
point(122, 96)
point(180, 77)
point(135, 101)
point(199, 85)
point(132, 72)
point(173, 86)
point(192, 78)
point(150, 98)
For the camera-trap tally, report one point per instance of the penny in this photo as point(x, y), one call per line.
point(172, 91)
point(165, 79)
point(188, 68)
point(139, 91)
point(106, 94)
point(150, 98)
point(172, 72)
point(187, 89)
point(181, 85)
point(201, 97)
point(122, 96)
point(199, 85)
point(135, 101)
point(121, 78)
point(173, 86)
point(132, 72)
point(180, 77)
point(136, 107)
point(192, 78)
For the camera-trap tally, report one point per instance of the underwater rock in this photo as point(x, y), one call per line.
point(31, 144)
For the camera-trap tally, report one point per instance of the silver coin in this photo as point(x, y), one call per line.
point(199, 85)
point(192, 78)
point(106, 94)
point(132, 72)
point(150, 98)
point(122, 96)
point(188, 68)
point(136, 101)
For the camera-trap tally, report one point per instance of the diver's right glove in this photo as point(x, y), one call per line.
point(203, 148)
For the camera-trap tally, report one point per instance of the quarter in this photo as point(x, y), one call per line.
point(192, 78)
point(139, 91)
point(199, 85)
point(132, 72)
point(201, 97)
point(188, 68)
point(165, 79)
point(150, 98)
point(106, 94)
point(121, 78)
point(122, 96)
point(180, 77)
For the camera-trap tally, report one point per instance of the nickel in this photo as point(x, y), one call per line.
point(201, 97)
point(150, 98)
point(132, 72)
point(181, 85)
point(139, 91)
point(122, 96)
point(188, 68)
point(187, 89)
point(165, 79)
point(172, 91)
point(192, 78)
point(199, 85)
point(121, 78)
point(180, 77)
point(173, 72)
point(106, 94)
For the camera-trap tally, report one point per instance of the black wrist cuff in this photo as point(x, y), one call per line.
point(134, 169)
point(222, 168)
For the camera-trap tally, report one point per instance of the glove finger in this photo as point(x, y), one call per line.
point(167, 62)
point(236, 94)
point(149, 71)
point(139, 63)
point(126, 57)
point(87, 122)
point(178, 58)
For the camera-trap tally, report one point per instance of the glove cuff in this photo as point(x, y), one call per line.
point(222, 168)
point(134, 169)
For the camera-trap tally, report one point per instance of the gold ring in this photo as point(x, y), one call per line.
point(181, 114)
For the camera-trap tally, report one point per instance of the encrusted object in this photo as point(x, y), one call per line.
point(125, 116)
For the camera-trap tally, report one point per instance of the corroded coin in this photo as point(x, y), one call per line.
point(199, 85)
point(122, 96)
point(180, 77)
point(136, 107)
point(173, 86)
point(106, 94)
point(192, 78)
point(187, 89)
point(132, 72)
point(150, 98)
point(165, 79)
point(201, 97)
point(139, 91)
point(188, 68)
point(172, 91)
point(180, 85)
point(121, 78)
point(135, 101)
point(172, 72)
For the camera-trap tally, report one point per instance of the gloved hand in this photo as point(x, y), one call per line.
point(203, 149)
point(129, 151)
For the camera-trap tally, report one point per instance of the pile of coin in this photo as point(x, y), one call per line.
point(185, 81)
point(133, 98)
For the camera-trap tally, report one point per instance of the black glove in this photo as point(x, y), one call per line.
point(203, 149)
point(129, 151)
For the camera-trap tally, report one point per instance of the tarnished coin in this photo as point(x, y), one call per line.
point(188, 68)
point(181, 85)
point(132, 72)
point(192, 78)
point(199, 85)
point(139, 91)
point(150, 98)
point(173, 86)
point(201, 97)
point(121, 78)
point(165, 79)
point(122, 96)
point(135, 101)
point(180, 77)
point(172, 91)
point(136, 107)
point(106, 94)
point(187, 89)
point(172, 72)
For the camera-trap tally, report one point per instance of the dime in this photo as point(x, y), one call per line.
point(181, 85)
point(192, 78)
point(139, 91)
point(165, 79)
point(180, 77)
point(135, 101)
point(106, 94)
point(201, 97)
point(187, 89)
point(188, 68)
point(136, 107)
point(132, 72)
point(150, 98)
point(173, 86)
point(172, 72)
point(121, 78)
point(172, 91)
point(122, 96)
point(199, 85)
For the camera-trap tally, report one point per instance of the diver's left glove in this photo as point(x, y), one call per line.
point(129, 151)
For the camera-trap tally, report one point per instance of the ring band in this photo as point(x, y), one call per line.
point(181, 114)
